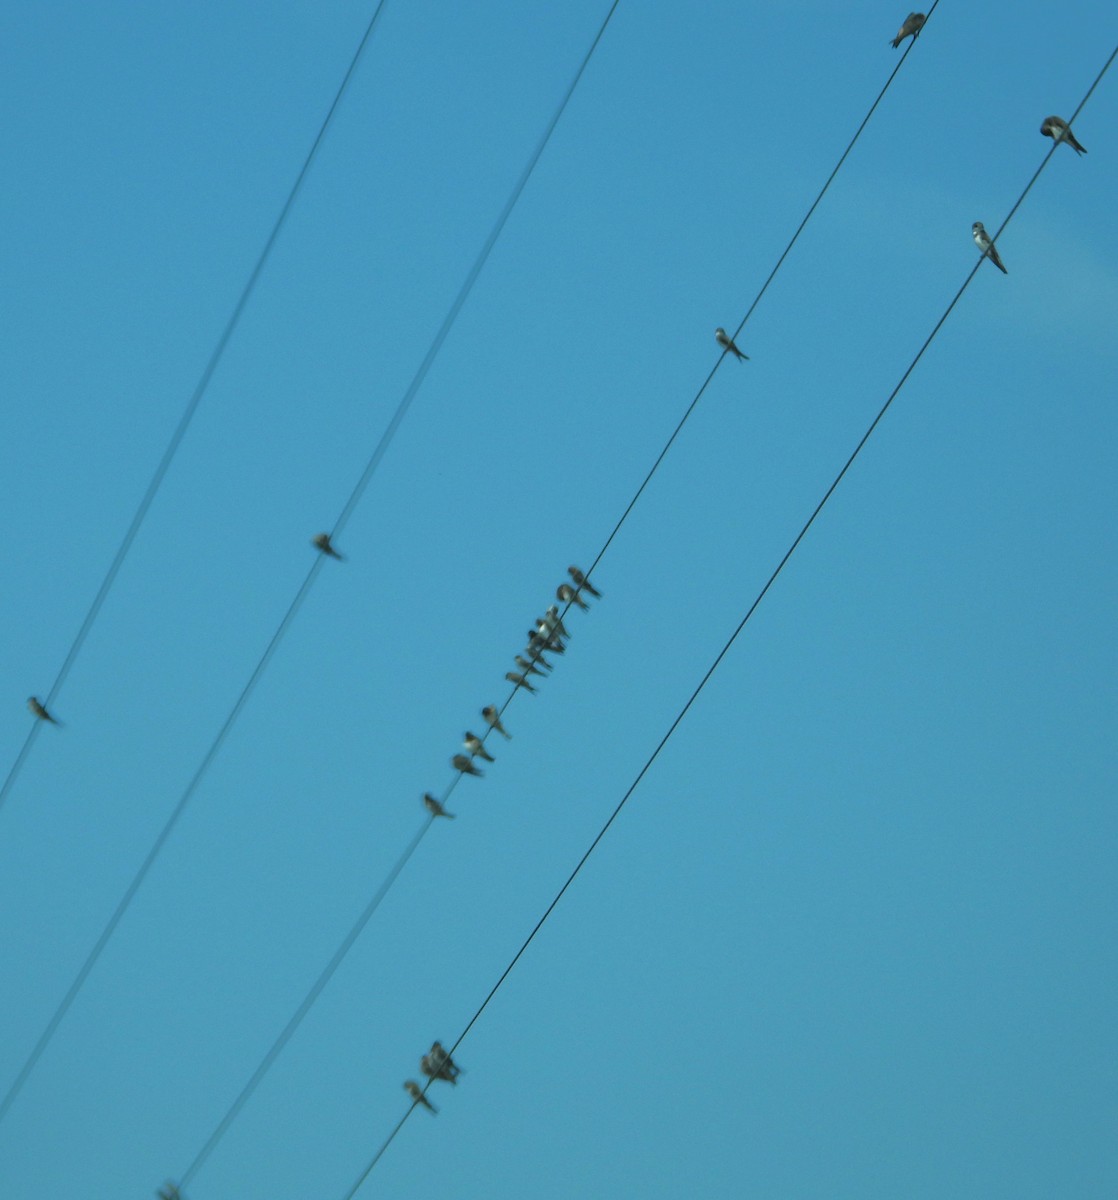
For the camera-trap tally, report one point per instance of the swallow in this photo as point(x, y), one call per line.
point(473, 744)
point(566, 594)
point(40, 710)
point(554, 622)
point(536, 653)
point(434, 1069)
point(520, 681)
point(416, 1093)
point(321, 541)
point(527, 667)
point(728, 343)
point(1060, 131)
point(493, 720)
point(461, 763)
point(982, 241)
point(434, 807)
point(913, 23)
point(583, 582)
point(443, 1062)
point(169, 1191)
point(539, 642)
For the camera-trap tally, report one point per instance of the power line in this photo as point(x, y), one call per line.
point(733, 636)
point(366, 915)
point(210, 755)
point(188, 415)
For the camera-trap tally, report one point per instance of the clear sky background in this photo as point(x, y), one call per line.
point(854, 933)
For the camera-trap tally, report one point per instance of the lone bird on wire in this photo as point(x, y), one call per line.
point(1060, 131)
point(434, 807)
point(416, 1093)
point(40, 710)
point(983, 242)
point(582, 582)
point(913, 23)
point(728, 343)
point(493, 720)
point(566, 594)
point(473, 744)
point(321, 541)
point(461, 763)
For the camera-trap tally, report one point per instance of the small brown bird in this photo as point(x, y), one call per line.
point(583, 582)
point(539, 642)
point(434, 807)
point(40, 710)
point(443, 1063)
point(529, 668)
point(913, 23)
point(728, 344)
point(551, 623)
point(435, 1070)
point(493, 720)
point(473, 744)
point(984, 242)
point(1060, 131)
point(567, 595)
point(321, 541)
point(416, 1093)
point(520, 681)
point(461, 763)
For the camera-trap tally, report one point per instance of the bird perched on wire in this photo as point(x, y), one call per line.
point(520, 681)
point(566, 594)
point(539, 642)
point(551, 622)
point(321, 541)
point(493, 720)
point(728, 344)
point(583, 582)
point(983, 242)
point(169, 1191)
point(461, 763)
point(40, 710)
point(1060, 131)
point(473, 744)
point(434, 807)
point(443, 1063)
point(913, 23)
point(529, 668)
point(416, 1093)
point(436, 1069)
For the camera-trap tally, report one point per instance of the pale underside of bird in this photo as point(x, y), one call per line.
point(40, 710)
point(1060, 131)
point(473, 743)
point(434, 1070)
point(520, 681)
point(493, 720)
point(443, 1063)
point(983, 242)
point(567, 595)
point(728, 344)
point(432, 805)
point(912, 25)
point(321, 541)
point(584, 583)
point(553, 623)
point(416, 1093)
point(461, 763)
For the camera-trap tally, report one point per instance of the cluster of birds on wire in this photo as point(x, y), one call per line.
point(549, 633)
point(547, 636)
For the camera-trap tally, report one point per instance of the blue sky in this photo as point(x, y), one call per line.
point(853, 934)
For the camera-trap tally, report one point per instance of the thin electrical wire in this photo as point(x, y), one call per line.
point(366, 915)
point(733, 636)
point(355, 496)
point(188, 413)
point(757, 299)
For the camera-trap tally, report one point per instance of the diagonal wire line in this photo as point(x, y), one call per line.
point(188, 413)
point(757, 299)
point(366, 915)
point(730, 641)
point(211, 754)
